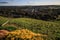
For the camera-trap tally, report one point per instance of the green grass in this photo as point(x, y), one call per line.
point(58, 21)
point(52, 29)
point(2, 20)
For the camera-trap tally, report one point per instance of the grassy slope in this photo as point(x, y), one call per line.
point(2, 20)
point(38, 26)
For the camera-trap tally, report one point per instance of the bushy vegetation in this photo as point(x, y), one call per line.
point(23, 34)
point(39, 26)
point(52, 29)
point(9, 28)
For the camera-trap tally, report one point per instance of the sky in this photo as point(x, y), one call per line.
point(28, 2)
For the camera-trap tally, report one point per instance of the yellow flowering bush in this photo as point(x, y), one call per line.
point(24, 34)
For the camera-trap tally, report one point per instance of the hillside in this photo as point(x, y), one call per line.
point(37, 26)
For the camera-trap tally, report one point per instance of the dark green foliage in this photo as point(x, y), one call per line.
point(1, 28)
point(9, 28)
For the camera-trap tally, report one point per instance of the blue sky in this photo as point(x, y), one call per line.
point(30, 2)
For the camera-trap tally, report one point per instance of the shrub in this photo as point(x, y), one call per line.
point(24, 34)
point(1, 28)
point(10, 28)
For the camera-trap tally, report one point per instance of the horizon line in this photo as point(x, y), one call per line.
point(30, 5)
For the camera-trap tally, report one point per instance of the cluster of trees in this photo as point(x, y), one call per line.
point(37, 13)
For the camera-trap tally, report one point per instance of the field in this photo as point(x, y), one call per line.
point(49, 28)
